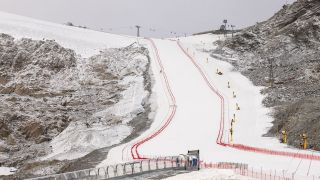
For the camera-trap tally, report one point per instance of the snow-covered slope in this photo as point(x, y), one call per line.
point(253, 120)
point(84, 41)
point(196, 122)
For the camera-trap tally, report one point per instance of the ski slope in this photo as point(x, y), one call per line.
point(197, 117)
point(187, 112)
point(85, 42)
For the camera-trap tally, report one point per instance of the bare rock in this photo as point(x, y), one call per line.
point(4, 149)
point(11, 140)
point(33, 130)
point(4, 130)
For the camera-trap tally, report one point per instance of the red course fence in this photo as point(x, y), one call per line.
point(244, 170)
point(172, 109)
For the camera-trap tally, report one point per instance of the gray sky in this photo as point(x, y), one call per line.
point(165, 16)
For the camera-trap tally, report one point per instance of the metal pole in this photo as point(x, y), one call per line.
point(232, 27)
point(225, 27)
point(138, 30)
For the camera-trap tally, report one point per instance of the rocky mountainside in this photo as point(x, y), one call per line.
point(285, 50)
point(46, 89)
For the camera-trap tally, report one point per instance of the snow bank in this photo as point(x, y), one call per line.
point(78, 140)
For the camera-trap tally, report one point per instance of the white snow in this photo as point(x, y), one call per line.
point(159, 108)
point(77, 140)
point(209, 174)
point(7, 171)
point(84, 41)
point(130, 104)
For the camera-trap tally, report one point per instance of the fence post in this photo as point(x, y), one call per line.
point(107, 172)
point(252, 172)
point(141, 166)
point(172, 162)
point(99, 171)
point(165, 163)
point(116, 171)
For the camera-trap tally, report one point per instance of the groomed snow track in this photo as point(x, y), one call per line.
point(242, 146)
point(219, 140)
point(172, 109)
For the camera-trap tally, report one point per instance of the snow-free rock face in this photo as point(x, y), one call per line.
point(55, 104)
point(291, 41)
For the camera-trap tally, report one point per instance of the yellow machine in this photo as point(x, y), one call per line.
point(284, 136)
point(231, 135)
point(304, 140)
point(231, 130)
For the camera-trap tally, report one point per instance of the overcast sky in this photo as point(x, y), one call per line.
point(165, 16)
